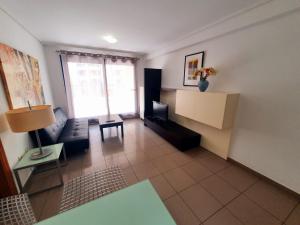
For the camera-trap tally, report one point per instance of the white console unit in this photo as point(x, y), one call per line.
point(211, 114)
point(214, 109)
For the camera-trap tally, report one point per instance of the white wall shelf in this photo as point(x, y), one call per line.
point(214, 109)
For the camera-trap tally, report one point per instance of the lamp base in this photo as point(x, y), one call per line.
point(39, 155)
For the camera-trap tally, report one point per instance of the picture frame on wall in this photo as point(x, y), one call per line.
point(192, 63)
point(20, 74)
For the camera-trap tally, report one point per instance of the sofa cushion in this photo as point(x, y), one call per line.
point(54, 130)
point(74, 133)
point(75, 129)
point(50, 134)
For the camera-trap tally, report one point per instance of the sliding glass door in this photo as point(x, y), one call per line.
point(88, 89)
point(121, 87)
point(96, 86)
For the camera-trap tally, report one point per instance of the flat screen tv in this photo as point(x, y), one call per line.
point(160, 111)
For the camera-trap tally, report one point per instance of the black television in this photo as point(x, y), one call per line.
point(160, 111)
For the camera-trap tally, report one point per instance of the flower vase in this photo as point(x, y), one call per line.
point(203, 85)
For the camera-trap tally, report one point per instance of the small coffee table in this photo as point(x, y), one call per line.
point(110, 121)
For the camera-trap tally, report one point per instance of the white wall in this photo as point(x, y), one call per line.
point(55, 72)
point(15, 36)
point(260, 61)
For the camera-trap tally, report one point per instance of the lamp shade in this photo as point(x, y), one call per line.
point(26, 119)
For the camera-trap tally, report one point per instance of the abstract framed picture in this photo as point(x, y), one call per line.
point(21, 79)
point(192, 63)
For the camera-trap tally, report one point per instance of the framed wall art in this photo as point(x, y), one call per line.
point(21, 79)
point(192, 63)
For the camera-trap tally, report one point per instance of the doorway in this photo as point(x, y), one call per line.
point(7, 187)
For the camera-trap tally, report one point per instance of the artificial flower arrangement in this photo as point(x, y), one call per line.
point(204, 73)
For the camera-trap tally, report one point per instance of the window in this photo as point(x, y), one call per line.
point(88, 89)
point(121, 88)
point(97, 86)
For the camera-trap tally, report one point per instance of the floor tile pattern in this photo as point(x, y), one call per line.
point(196, 186)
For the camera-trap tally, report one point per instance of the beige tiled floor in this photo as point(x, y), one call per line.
point(197, 187)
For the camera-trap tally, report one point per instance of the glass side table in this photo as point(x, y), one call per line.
point(26, 162)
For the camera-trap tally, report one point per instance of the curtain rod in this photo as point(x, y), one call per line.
point(96, 55)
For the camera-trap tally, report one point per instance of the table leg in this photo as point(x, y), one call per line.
point(65, 157)
point(102, 136)
point(122, 131)
point(60, 172)
point(64, 154)
point(18, 181)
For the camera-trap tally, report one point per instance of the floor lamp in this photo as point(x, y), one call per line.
point(32, 118)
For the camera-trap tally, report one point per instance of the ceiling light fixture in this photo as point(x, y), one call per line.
point(110, 39)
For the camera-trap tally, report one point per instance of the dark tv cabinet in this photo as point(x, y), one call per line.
point(179, 136)
point(152, 80)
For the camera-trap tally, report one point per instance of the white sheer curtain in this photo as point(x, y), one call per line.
point(121, 86)
point(96, 86)
point(85, 86)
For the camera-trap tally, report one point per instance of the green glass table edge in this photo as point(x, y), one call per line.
point(153, 211)
point(25, 161)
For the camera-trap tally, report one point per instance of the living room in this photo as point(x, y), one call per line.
point(165, 112)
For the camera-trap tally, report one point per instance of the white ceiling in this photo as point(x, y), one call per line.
point(139, 25)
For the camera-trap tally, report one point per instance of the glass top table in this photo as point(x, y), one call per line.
point(138, 204)
point(27, 162)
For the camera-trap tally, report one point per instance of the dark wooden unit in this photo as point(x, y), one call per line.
point(179, 136)
point(7, 184)
point(152, 79)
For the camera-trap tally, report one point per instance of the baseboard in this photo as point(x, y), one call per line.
point(263, 177)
